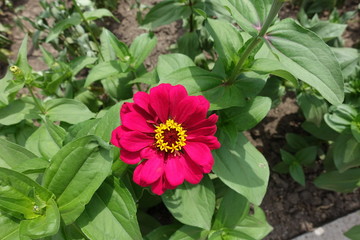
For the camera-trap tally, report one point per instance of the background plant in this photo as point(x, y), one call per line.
point(58, 171)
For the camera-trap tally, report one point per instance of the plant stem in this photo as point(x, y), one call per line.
point(191, 18)
point(256, 40)
point(77, 8)
point(36, 100)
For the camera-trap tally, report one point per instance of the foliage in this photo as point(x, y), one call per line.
point(61, 179)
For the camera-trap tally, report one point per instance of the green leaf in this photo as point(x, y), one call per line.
point(17, 111)
point(8, 89)
point(307, 156)
point(340, 182)
point(312, 106)
point(346, 152)
point(227, 47)
point(19, 195)
point(250, 115)
point(323, 131)
point(229, 234)
point(111, 213)
point(147, 223)
point(355, 128)
point(21, 60)
point(308, 58)
point(99, 13)
point(242, 167)
point(353, 233)
point(274, 67)
point(340, 117)
point(118, 87)
point(169, 63)
point(46, 225)
point(287, 157)
point(162, 232)
point(67, 110)
point(13, 155)
point(75, 173)
point(328, 30)
point(296, 142)
point(56, 132)
point(188, 44)
point(60, 26)
point(141, 48)
point(192, 204)
point(104, 70)
point(250, 15)
point(189, 233)
point(194, 79)
point(166, 12)
point(255, 225)
point(34, 165)
point(9, 227)
point(80, 63)
point(281, 167)
point(100, 127)
point(297, 173)
point(348, 59)
point(42, 143)
point(225, 96)
point(233, 209)
point(111, 46)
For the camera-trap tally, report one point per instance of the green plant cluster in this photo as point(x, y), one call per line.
point(61, 179)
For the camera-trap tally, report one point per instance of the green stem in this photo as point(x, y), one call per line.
point(77, 8)
point(191, 18)
point(256, 40)
point(36, 100)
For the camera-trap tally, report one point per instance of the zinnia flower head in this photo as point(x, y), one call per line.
point(167, 133)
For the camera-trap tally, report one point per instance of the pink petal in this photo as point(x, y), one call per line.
point(150, 171)
point(125, 109)
point(205, 122)
point(174, 170)
point(159, 101)
point(192, 172)
point(185, 109)
point(200, 154)
point(205, 131)
point(142, 99)
point(115, 137)
point(202, 107)
point(135, 141)
point(129, 157)
point(177, 93)
point(136, 121)
point(211, 141)
point(158, 187)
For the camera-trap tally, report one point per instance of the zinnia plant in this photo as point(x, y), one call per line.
point(168, 133)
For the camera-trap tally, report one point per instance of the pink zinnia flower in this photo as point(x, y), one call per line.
point(168, 133)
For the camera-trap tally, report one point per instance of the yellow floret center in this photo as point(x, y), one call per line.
point(170, 136)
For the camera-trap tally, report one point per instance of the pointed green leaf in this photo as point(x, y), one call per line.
point(308, 58)
point(192, 204)
point(9, 227)
point(17, 111)
point(75, 173)
point(340, 182)
point(60, 26)
point(242, 167)
point(21, 60)
point(297, 173)
point(346, 152)
point(111, 213)
point(42, 144)
point(105, 70)
point(170, 63)
point(141, 48)
point(190, 233)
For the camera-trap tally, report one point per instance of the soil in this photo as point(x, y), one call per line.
point(290, 208)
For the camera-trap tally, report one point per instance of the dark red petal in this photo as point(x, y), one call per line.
point(200, 154)
point(135, 141)
point(202, 107)
point(160, 102)
point(158, 187)
point(136, 121)
point(174, 170)
point(211, 141)
point(151, 170)
point(129, 157)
